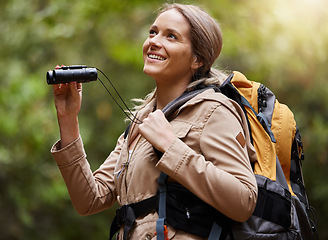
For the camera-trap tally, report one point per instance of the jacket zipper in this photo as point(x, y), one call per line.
point(127, 162)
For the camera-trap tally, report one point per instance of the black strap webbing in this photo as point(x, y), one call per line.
point(127, 214)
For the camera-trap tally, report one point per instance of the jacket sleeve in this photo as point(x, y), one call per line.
point(221, 175)
point(89, 192)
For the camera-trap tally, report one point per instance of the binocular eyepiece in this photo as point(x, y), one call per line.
point(74, 73)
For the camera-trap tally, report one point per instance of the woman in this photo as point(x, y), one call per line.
point(201, 150)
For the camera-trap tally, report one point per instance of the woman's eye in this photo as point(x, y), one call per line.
point(172, 36)
point(152, 32)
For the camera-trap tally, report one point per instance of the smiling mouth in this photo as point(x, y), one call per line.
point(153, 56)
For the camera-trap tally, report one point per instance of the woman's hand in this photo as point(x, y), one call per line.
point(68, 98)
point(157, 130)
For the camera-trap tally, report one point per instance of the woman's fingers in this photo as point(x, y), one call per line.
point(157, 130)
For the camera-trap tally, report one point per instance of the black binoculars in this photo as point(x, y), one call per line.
point(74, 73)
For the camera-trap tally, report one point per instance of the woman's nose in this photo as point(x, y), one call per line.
point(155, 41)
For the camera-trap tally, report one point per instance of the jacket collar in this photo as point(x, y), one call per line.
point(208, 94)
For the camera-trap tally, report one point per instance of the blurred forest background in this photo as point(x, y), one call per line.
point(283, 44)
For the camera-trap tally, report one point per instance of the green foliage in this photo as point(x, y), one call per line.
point(283, 44)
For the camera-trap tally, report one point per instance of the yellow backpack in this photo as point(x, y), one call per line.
point(281, 123)
point(282, 210)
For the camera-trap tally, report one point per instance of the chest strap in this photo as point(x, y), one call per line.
point(127, 214)
point(184, 211)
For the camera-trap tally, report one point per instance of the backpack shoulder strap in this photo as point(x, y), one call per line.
point(185, 97)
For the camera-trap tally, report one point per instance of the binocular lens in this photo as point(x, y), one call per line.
point(81, 75)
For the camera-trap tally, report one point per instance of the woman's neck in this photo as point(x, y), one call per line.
point(166, 94)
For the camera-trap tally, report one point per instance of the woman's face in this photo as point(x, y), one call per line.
point(167, 52)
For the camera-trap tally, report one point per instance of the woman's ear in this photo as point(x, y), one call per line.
point(196, 64)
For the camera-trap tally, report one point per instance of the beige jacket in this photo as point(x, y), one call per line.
point(210, 157)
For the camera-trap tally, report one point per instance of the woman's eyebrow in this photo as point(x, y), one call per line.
point(153, 27)
point(171, 30)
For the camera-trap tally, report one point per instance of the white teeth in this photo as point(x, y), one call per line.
point(153, 56)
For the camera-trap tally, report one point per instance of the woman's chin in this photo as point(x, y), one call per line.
point(151, 72)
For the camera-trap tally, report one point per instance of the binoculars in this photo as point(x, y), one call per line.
point(74, 73)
